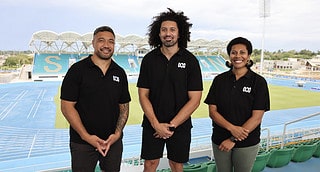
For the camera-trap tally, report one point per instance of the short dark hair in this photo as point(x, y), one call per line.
point(182, 23)
point(240, 40)
point(103, 29)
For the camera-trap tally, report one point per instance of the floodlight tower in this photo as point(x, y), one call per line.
point(264, 13)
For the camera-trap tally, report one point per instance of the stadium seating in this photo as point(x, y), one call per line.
point(280, 157)
point(211, 166)
point(53, 66)
point(164, 170)
point(129, 63)
point(261, 161)
point(303, 152)
point(212, 64)
point(317, 151)
point(48, 67)
point(196, 168)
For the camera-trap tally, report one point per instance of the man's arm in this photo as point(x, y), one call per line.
point(147, 106)
point(71, 114)
point(162, 129)
point(187, 110)
point(123, 118)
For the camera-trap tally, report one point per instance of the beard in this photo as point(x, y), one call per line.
point(169, 43)
point(103, 56)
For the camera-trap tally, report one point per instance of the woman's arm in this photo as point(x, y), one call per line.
point(239, 132)
point(254, 120)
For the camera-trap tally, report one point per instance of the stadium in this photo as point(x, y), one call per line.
point(33, 138)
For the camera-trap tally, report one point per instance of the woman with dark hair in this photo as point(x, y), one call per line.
point(237, 100)
point(170, 88)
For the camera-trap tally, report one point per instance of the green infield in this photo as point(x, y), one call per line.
point(281, 98)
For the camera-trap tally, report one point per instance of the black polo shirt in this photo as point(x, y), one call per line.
point(235, 101)
point(169, 82)
point(98, 96)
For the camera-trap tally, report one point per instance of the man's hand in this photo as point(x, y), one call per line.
point(163, 131)
point(105, 146)
point(98, 143)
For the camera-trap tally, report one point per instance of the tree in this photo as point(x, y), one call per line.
point(16, 61)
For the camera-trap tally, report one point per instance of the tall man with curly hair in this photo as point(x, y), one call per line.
point(170, 88)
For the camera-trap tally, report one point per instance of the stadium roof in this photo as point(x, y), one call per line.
point(46, 41)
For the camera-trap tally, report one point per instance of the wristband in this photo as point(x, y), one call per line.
point(233, 139)
point(172, 128)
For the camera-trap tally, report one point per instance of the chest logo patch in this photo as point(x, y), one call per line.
point(182, 65)
point(116, 78)
point(246, 89)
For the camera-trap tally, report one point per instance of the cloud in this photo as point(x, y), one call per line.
point(292, 24)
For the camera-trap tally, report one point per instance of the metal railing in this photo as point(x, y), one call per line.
point(294, 121)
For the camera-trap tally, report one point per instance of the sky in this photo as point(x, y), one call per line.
point(291, 24)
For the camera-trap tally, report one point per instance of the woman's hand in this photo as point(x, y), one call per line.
point(226, 145)
point(239, 133)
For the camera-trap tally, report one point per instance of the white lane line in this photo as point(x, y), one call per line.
point(34, 114)
point(44, 93)
point(40, 93)
point(5, 115)
point(4, 95)
point(6, 109)
point(31, 109)
point(20, 96)
point(31, 147)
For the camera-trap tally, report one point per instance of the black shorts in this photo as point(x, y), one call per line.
point(178, 145)
point(84, 157)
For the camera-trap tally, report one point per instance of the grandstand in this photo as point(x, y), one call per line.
point(55, 53)
point(29, 142)
point(48, 67)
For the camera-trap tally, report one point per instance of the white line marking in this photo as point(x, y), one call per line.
point(31, 109)
point(6, 108)
point(2, 97)
point(31, 147)
point(9, 110)
point(34, 114)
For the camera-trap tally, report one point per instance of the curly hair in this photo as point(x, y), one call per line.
point(178, 17)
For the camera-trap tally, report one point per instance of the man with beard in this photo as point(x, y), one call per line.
point(170, 88)
point(95, 101)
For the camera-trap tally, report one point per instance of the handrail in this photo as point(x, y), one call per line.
point(294, 121)
point(268, 137)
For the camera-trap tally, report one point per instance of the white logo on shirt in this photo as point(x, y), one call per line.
point(181, 65)
point(116, 78)
point(246, 89)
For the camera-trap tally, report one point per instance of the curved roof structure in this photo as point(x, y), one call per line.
point(46, 41)
point(45, 35)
